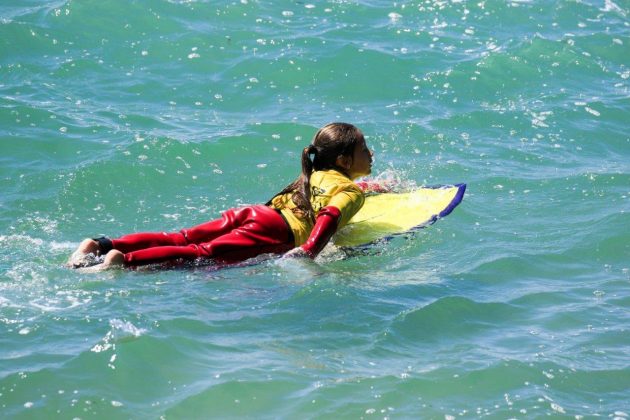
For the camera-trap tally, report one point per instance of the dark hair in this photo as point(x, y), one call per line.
point(330, 142)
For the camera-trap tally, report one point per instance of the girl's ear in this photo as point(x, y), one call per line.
point(344, 162)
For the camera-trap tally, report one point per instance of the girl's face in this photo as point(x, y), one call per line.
point(361, 162)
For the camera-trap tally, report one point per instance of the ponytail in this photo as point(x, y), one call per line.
point(307, 170)
point(301, 187)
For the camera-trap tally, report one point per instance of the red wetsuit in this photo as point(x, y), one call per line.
point(238, 235)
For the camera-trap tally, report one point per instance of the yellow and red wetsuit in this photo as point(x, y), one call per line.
point(245, 232)
point(334, 198)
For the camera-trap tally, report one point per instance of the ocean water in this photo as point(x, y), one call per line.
point(127, 115)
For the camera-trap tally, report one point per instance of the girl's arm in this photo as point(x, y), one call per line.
point(340, 209)
point(325, 227)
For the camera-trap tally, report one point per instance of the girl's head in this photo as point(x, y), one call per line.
point(339, 146)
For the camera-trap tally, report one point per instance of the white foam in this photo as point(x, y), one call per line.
point(394, 17)
point(592, 111)
point(62, 245)
point(122, 329)
point(557, 408)
point(610, 6)
point(20, 238)
point(25, 240)
point(62, 300)
point(4, 302)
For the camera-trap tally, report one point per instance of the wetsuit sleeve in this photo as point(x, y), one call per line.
point(325, 226)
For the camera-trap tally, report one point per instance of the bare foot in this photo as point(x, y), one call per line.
point(85, 255)
point(113, 259)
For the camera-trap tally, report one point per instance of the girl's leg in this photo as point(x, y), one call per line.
point(89, 249)
point(260, 230)
point(160, 254)
point(137, 241)
point(204, 232)
point(207, 232)
point(247, 232)
point(150, 248)
point(240, 234)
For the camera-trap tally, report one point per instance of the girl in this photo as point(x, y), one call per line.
point(298, 221)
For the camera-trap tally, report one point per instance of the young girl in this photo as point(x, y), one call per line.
point(298, 221)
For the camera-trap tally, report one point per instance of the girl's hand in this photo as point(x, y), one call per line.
point(296, 252)
point(376, 186)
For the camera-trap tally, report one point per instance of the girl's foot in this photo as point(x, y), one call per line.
point(113, 259)
point(85, 255)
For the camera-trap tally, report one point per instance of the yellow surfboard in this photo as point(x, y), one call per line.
point(388, 214)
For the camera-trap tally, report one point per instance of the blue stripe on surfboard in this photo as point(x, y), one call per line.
point(461, 189)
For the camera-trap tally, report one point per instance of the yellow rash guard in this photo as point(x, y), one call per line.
point(328, 188)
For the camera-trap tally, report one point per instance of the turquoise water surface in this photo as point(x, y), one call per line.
point(134, 115)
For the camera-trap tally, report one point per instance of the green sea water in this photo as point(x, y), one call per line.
point(119, 116)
